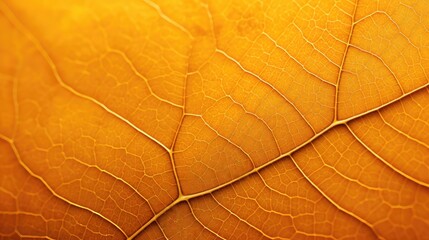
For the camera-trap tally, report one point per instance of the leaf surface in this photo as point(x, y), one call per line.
point(214, 119)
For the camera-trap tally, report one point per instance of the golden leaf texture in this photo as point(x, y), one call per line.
point(201, 119)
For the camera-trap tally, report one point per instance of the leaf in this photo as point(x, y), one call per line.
point(200, 120)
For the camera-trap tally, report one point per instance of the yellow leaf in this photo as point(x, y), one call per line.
point(214, 119)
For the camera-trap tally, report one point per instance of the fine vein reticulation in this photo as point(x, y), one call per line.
point(252, 119)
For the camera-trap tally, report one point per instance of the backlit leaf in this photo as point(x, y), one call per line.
point(214, 119)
